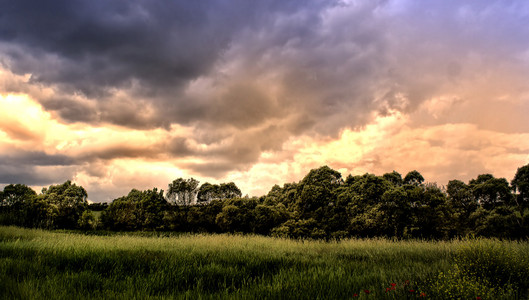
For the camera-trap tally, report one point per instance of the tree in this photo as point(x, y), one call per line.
point(87, 221)
point(16, 194)
point(268, 217)
point(460, 196)
point(229, 190)
point(13, 201)
point(500, 221)
point(237, 215)
point(317, 190)
point(285, 195)
point(209, 192)
point(183, 191)
point(520, 186)
point(39, 213)
point(69, 201)
point(121, 215)
point(490, 191)
point(137, 210)
point(370, 188)
point(432, 213)
point(463, 204)
point(397, 210)
point(394, 177)
point(414, 178)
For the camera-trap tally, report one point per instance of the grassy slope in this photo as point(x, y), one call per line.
point(42, 264)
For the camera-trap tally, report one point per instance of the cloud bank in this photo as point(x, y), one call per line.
point(257, 91)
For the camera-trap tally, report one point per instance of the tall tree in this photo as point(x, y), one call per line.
point(414, 178)
point(69, 201)
point(183, 191)
point(316, 193)
point(14, 200)
point(209, 192)
point(490, 191)
point(394, 177)
point(520, 186)
point(137, 210)
point(15, 194)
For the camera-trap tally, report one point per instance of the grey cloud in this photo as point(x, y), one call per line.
point(35, 168)
point(10, 174)
point(210, 169)
point(179, 147)
point(239, 151)
point(243, 106)
point(152, 48)
point(36, 158)
point(71, 110)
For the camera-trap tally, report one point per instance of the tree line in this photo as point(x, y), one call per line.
point(323, 205)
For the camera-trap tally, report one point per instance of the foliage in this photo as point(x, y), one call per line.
point(321, 206)
point(137, 210)
point(68, 202)
point(487, 269)
point(59, 206)
point(183, 191)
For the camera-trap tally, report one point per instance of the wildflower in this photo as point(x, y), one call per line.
point(355, 295)
point(478, 298)
point(367, 291)
point(411, 291)
point(393, 284)
point(422, 295)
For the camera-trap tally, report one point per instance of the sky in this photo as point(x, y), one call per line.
point(116, 95)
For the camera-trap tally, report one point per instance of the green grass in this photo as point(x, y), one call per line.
point(38, 264)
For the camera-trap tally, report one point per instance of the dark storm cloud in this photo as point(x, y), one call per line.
point(36, 158)
point(150, 48)
point(35, 168)
point(70, 109)
point(30, 175)
point(100, 44)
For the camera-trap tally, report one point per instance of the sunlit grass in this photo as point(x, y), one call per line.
point(64, 265)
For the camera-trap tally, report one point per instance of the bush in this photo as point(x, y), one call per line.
point(488, 269)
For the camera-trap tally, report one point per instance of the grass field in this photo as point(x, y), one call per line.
point(37, 264)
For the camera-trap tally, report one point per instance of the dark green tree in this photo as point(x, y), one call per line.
point(183, 191)
point(237, 215)
point(432, 214)
point(316, 191)
point(13, 203)
point(209, 192)
point(68, 202)
point(414, 178)
point(394, 177)
point(490, 192)
point(463, 204)
point(139, 210)
point(520, 186)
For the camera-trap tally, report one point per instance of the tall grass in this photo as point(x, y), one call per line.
point(37, 264)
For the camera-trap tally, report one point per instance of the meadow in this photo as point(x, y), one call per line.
point(41, 264)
